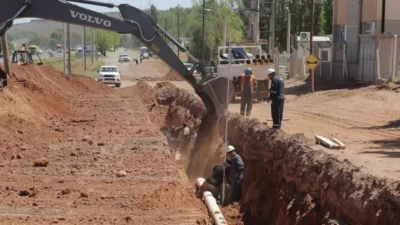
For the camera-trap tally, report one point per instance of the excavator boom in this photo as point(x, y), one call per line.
point(214, 91)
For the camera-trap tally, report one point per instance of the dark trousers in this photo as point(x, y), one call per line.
point(277, 112)
point(236, 191)
point(246, 99)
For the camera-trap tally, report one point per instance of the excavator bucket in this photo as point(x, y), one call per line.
point(217, 93)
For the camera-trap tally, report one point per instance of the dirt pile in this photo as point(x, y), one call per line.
point(34, 96)
point(170, 76)
point(287, 182)
point(83, 153)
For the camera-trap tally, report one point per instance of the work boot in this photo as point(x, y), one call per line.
point(242, 113)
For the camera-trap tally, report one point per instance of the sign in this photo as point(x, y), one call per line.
point(312, 61)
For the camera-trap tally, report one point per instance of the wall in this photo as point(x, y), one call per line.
point(369, 10)
point(341, 11)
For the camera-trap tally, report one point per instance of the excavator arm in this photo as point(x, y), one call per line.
point(214, 91)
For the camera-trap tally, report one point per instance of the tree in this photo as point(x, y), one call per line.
point(154, 12)
point(76, 38)
point(328, 16)
point(213, 28)
point(105, 40)
point(57, 35)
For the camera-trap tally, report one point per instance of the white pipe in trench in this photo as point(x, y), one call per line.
point(211, 204)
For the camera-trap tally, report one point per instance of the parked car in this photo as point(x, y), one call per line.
point(146, 55)
point(125, 59)
point(189, 66)
point(109, 75)
point(121, 56)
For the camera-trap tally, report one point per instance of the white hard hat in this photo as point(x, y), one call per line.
point(270, 70)
point(230, 148)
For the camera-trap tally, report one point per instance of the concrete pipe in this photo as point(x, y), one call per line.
point(211, 204)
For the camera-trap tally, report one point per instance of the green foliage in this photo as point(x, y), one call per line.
point(57, 35)
point(105, 40)
point(10, 46)
point(301, 18)
point(76, 39)
point(213, 28)
point(328, 16)
point(153, 12)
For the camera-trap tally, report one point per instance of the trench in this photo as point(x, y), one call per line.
point(286, 181)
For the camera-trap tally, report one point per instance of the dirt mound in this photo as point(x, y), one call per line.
point(34, 96)
point(170, 76)
point(287, 182)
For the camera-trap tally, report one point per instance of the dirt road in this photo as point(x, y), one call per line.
point(104, 161)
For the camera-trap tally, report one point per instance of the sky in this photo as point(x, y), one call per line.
point(141, 4)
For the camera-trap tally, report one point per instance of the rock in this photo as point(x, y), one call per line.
point(41, 162)
point(24, 193)
point(73, 154)
point(34, 204)
point(121, 173)
point(100, 144)
point(90, 142)
point(19, 156)
point(65, 191)
point(84, 195)
point(20, 132)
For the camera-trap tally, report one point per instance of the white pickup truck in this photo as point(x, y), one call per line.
point(109, 75)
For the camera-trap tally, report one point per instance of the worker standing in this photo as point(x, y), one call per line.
point(277, 96)
point(247, 86)
point(235, 168)
point(23, 55)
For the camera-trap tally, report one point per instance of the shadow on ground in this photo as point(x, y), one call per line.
point(321, 85)
point(386, 144)
point(390, 125)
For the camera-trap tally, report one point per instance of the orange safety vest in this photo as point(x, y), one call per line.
point(252, 82)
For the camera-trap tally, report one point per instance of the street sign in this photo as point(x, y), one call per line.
point(312, 61)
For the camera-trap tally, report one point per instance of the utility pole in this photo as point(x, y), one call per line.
point(69, 49)
point(271, 45)
point(97, 41)
point(203, 39)
point(65, 47)
point(178, 32)
point(91, 44)
point(311, 42)
point(224, 32)
point(256, 27)
point(288, 40)
point(84, 48)
point(165, 28)
point(4, 48)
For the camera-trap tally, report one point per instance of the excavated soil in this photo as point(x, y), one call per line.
point(287, 182)
point(74, 151)
point(170, 76)
point(78, 152)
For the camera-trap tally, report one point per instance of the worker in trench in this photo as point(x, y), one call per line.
point(277, 96)
point(248, 84)
point(213, 183)
point(184, 140)
point(234, 170)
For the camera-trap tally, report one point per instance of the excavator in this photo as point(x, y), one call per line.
point(214, 91)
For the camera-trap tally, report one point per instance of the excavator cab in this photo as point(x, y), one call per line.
point(214, 91)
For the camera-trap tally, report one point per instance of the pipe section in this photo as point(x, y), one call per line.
point(211, 204)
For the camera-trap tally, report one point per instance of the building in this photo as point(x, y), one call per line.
point(363, 40)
